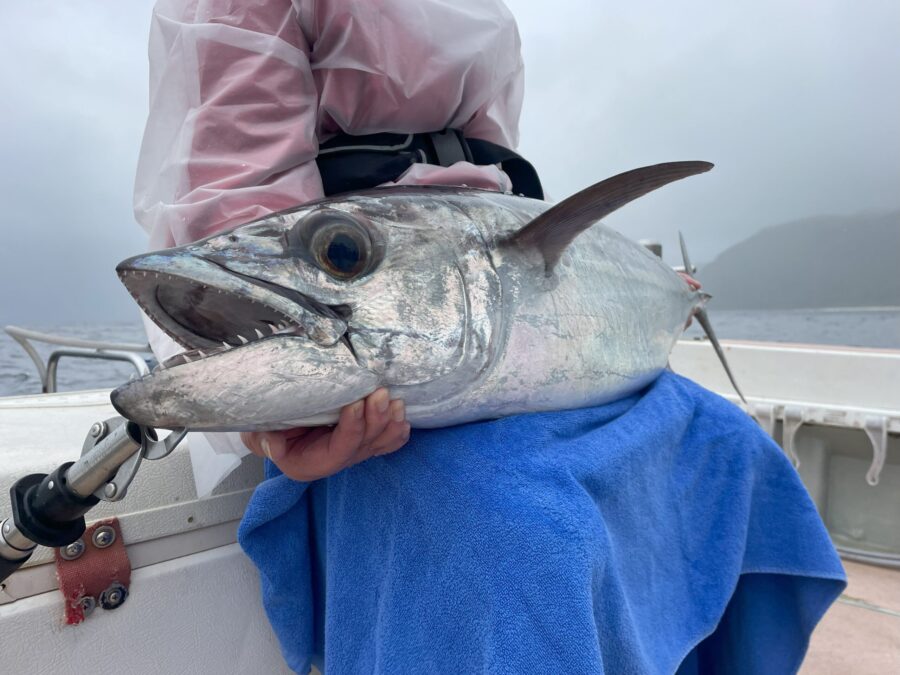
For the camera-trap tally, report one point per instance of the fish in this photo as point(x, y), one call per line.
point(468, 304)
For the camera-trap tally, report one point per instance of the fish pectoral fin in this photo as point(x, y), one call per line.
point(556, 228)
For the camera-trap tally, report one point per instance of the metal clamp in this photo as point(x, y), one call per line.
point(146, 445)
point(159, 449)
point(49, 509)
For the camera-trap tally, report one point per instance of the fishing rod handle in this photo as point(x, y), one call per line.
point(15, 548)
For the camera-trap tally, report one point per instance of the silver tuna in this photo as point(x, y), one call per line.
point(467, 304)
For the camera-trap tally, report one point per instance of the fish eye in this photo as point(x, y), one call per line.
point(340, 251)
point(336, 242)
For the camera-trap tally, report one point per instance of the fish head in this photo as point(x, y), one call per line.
point(293, 316)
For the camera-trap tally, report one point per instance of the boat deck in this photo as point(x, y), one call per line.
point(860, 634)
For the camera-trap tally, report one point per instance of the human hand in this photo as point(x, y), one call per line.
point(374, 426)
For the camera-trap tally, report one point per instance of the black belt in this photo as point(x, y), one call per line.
point(351, 163)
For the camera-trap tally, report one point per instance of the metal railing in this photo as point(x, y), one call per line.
point(76, 348)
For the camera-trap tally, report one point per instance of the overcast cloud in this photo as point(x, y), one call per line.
point(797, 103)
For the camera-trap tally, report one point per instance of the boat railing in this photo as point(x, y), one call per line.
point(835, 411)
point(128, 352)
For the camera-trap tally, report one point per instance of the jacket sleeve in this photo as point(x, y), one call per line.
point(231, 134)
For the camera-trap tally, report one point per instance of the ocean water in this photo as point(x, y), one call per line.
point(858, 327)
point(18, 375)
point(877, 327)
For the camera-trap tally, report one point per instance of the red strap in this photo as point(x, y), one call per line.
point(99, 576)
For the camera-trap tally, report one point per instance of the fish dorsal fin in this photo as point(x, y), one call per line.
point(556, 228)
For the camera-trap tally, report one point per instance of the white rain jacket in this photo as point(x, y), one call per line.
point(243, 91)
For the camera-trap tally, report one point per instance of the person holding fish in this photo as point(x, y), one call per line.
point(238, 137)
point(649, 534)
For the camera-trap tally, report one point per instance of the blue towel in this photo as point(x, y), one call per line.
point(661, 533)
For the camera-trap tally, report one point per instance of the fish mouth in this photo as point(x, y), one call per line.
point(209, 309)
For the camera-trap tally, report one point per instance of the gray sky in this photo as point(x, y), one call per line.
point(797, 103)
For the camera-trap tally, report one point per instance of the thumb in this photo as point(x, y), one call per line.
point(273, 445)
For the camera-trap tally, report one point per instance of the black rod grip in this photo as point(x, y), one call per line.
point(46, 511)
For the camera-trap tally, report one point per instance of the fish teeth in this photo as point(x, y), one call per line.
point(226, 345)
point(259, 333)
point(243, 339)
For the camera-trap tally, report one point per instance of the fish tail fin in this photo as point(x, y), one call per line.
point(705, 323)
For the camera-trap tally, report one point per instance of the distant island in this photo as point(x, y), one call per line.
point(827, 261)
